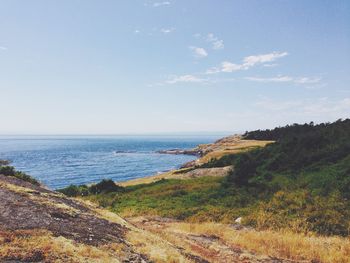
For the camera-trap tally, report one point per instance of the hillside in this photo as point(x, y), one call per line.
point(301, 181)
point(278, 195)
point(40, 225)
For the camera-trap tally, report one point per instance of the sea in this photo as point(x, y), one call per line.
point(59, 161)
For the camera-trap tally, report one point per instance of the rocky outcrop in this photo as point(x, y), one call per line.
point(32, 208)
point(195, 152)
point(227, 145)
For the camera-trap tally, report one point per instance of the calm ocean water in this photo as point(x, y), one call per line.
point(59, 161)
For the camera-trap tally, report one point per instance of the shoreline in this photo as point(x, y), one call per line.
point(205, 153)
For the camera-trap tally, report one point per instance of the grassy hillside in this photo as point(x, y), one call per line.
point(294, 191)
point(303, 178)
point(300, 182)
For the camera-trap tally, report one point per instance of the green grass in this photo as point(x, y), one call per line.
point(198, 199)
point(301, 182)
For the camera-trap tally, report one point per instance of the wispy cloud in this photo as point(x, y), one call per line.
point(248, 62)
point(227, 66)
point(313, 108)
point(185, 78)
point(216, 42)
point(272, 79)
point(198, 52)
point(158, 4)
point(306, 80)
point(297, 80)
point(167, 30)
point(3, 48)
point(258, 59)
point(194, 80)
point(213, 70)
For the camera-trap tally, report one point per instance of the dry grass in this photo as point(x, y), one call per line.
point(277, 244)
point(40, 245)
point(150, 179)
point(155, 247)
point(236, 146)
point(216, 151)
point(43, 198)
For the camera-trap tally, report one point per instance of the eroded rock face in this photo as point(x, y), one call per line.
point(24, 206)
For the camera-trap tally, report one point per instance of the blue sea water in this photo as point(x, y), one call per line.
point(58, 161)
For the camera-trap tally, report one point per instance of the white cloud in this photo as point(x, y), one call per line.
point(136, 31)
point(3, 48)
point(230, 67)
point(213, 70)
point(216, 43)
point(249, 61)
point(199, 52)
point(273, 79)
point(306, 80)
point(185, 78)
point(195, 79)
point(167, 30)
point(279, 78)
point(158, 4)
point(264, 58)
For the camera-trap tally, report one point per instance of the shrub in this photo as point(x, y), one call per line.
point(302, 212)
point(11, 171)
point(105, 186)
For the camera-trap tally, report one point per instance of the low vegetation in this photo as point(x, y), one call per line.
point(301, 183)
point(7, 170)
point(280, 244)
point(195, 200)
point(105, 186)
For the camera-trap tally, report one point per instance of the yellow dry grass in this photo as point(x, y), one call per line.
point(237, 146)
point(217, 151)
point(150, 179)
point(277, 244)
point(155, 247)
point(43, 198)
point(31, 245)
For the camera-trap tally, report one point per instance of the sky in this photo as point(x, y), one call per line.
point(144, 66)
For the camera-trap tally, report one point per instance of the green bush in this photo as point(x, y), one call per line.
point(11, 171)
point(105, 186)
point(300, 211)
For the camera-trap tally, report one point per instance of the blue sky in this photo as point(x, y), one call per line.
point(111, 67)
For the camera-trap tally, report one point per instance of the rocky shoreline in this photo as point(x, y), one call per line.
point(195, 152)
